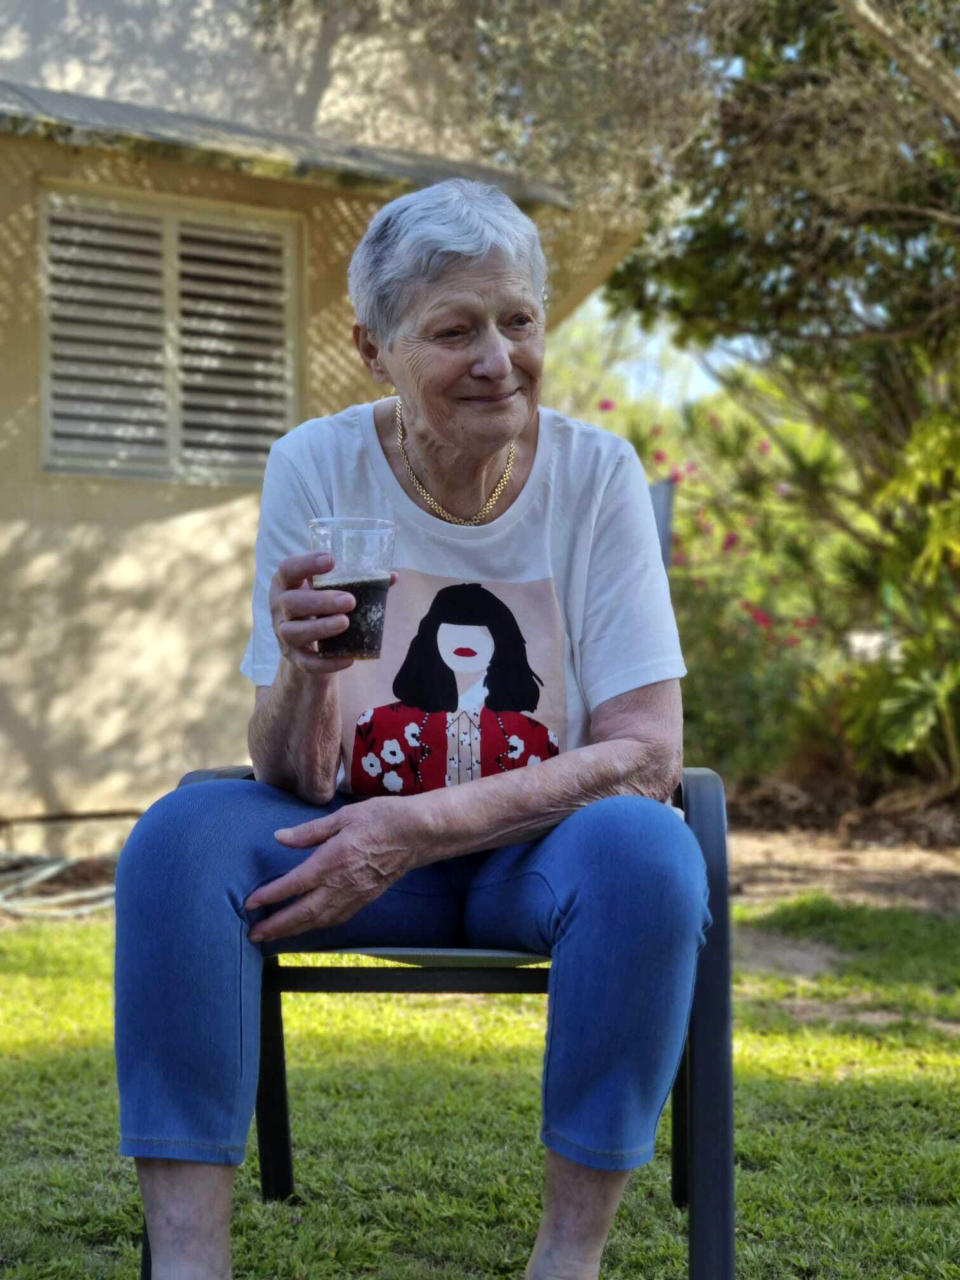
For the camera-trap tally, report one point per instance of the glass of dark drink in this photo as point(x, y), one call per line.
point(362, 551)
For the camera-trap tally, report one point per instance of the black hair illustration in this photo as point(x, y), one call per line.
point(424, 679)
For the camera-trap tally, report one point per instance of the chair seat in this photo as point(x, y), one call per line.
point(442, 958)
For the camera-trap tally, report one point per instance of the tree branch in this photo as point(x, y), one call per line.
point(926, 69)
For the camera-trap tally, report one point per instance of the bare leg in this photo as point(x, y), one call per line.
point(187, 1206)
point(579, 1206)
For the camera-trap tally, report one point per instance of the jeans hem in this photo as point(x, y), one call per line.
point(176, 1149)
point(609, 1160)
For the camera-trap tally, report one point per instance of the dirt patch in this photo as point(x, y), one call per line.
point(762, 951)
point(927, 816)
point(848, 1011)
point(770, 865)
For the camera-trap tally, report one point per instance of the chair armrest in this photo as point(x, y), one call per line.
point(701, 797)
point(242, 771)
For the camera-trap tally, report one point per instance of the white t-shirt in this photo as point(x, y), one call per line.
point(568, 586)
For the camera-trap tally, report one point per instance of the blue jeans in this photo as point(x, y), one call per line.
point(615, 894)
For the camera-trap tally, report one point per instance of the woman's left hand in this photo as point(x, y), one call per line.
point(360, 851)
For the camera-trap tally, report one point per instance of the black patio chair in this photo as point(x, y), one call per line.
point(702, 1094)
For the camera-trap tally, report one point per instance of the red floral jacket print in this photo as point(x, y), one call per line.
point(400, 750)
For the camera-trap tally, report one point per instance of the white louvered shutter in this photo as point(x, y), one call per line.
point(171, 341)
point(234, 359)
point(106, 316)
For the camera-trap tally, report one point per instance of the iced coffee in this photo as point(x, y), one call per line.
point(362, 552)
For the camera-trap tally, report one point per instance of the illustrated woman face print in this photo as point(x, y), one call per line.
point(465, 648)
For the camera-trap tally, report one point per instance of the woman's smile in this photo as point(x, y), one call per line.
point(500, 399)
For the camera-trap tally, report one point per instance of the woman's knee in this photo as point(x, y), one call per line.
point(176, 836)
point(633, 848)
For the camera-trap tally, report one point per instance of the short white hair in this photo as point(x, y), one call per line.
point(417, 237)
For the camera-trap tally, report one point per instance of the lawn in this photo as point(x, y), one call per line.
point(415, 1122)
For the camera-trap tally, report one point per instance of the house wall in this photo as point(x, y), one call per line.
point(210, 57)
point(126, 602)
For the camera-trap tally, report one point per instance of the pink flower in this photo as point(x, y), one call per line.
point(680, 558)
point(764, 446)
point(659, 455)
point(760, 618)
point(690, 468)
point(606, 405)
point(676, 475)
point(730, 541)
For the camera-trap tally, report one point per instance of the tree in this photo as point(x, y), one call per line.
point(821, 235)
point(599, 97)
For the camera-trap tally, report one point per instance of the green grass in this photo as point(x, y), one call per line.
point(415, 1122)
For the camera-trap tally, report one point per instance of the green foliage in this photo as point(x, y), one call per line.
point(929, 477)
point(840, 275)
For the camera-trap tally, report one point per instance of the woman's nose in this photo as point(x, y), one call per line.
point(493, 357)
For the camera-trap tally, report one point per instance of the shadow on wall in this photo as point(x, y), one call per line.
point(356, 81)
point(121, 642)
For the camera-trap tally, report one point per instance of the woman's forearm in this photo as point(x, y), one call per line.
point(294, 733)
point(525, 803)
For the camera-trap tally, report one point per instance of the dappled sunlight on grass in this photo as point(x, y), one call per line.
point(415, 1122)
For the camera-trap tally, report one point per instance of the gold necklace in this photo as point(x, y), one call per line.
point(430, 500)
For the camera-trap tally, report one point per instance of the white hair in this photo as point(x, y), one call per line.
point(417, 237)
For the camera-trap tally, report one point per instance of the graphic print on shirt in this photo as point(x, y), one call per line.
point(470, 683)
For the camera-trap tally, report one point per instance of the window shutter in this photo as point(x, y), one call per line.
point(106, 314)
point(234, 358)
point(171, 340)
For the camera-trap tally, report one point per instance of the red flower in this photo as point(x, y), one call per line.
point(730, 541)
point(690, 468)
point(659, 455)
point(764, 446)
point(606, 405)
point(760, 618)
point(676, 475)
point(680, 558)
point(791, 640)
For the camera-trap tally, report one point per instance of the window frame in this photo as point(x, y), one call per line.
point(170, 210)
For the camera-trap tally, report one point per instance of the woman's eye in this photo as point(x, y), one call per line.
point(521, 321)
point(451, 333)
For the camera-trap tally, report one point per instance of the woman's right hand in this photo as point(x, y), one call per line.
point(303, 615)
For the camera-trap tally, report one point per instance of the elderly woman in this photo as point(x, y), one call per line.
point(518, 740)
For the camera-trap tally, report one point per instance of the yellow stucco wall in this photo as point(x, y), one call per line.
point(126, 602)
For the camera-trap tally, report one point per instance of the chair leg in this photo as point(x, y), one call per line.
point(709, 1049)
point(273, 1115)
point(680, 1150)
point(146, 1262)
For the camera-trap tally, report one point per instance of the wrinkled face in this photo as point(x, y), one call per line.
point(465, 648)
point(467, 357)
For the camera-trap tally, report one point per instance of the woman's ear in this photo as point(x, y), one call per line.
point(369, 348)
